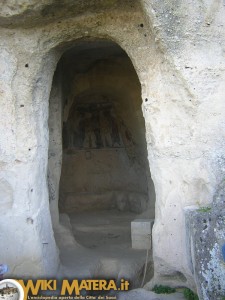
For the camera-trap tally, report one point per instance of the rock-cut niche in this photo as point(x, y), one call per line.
point(97, 96)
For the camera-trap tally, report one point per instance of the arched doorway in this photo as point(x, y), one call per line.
point(105, 181)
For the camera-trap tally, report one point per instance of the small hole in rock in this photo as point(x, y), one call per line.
point(21, 105)
point(26, 65)
point(141, 25)
point(146, 99)
point(30, 221)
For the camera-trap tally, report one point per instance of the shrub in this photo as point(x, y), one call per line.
point(162, 289)
point(204, 209)
point(189, 295)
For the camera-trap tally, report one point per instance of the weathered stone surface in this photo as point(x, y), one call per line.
point(177, 50)
point(205, 227)
point(27, 13)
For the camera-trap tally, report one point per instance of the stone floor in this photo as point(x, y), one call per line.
point(102, 249)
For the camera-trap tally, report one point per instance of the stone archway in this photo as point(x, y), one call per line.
point(97, 134)
point(169, 108)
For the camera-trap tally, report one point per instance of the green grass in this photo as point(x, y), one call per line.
point(204, 209)
point(162, 289)
point(189, 295)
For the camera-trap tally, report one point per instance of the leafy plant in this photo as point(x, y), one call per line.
point(162, 289)
point(204, 209)
point(188, 294)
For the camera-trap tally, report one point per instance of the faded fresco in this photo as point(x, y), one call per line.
point(95, 126)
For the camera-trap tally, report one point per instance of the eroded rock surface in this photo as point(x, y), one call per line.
point(177, 50)
point(207, 237)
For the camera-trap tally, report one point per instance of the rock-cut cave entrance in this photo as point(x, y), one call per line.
point(105, 182)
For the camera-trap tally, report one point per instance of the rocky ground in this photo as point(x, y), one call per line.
point(103, 250)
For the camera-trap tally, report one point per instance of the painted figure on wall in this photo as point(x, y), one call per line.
point(95, 126)
point(115, 131)
point(96, 129)
point(89, 140)
point(105, 126)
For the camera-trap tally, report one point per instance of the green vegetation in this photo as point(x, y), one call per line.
point(189, 295)
point(162, 289)
point(204, 209)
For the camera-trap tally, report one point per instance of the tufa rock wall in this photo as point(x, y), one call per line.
point(177, 50)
